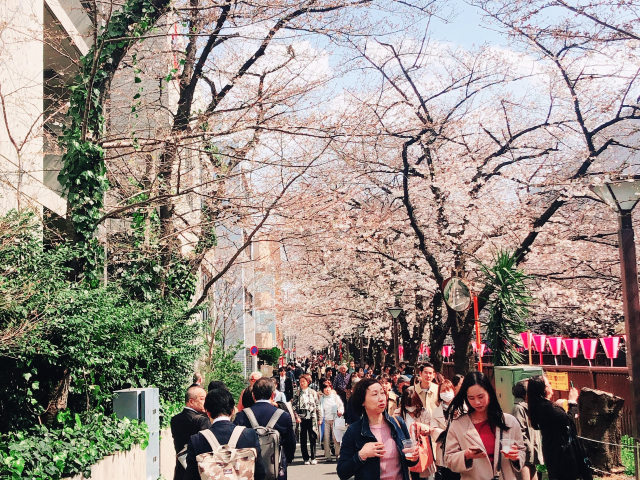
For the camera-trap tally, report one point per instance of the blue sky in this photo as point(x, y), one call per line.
point(466, 28)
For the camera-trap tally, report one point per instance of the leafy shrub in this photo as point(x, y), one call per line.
point(98, 340)
point(270, 356)
point(224, 367)
point(627, 456)
point(168, 410)
point(68, 448)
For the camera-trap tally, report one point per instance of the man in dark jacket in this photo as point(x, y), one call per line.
point(188, 422)
point(219, 406)
point(263, 410)
point(285, 385)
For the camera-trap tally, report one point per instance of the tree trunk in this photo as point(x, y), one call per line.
point(439, 329)
point(599, 419)
point(461, 331)
point(58, 399)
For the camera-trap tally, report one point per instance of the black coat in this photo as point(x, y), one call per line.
point(263, 412)
point(554, 423)
point(288, 387)
point(222, 430)
point(183, 425)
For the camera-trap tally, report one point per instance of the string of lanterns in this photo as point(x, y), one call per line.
point(539, 342)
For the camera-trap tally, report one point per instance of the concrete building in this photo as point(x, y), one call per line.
point(41, 41)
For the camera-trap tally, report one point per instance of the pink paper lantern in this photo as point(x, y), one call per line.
point(526, 339)
point(483, 347)
point(555, 345)
point(400, 351)
point(611, 346)
point(446, 350)
point(539, 342)
point(571, 346)
point(589, 348)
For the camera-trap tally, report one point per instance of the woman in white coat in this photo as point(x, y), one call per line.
point(484, 442)
point(440, 419)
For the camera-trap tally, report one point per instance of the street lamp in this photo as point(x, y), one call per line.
point(395, 313)
point(361, 329)
point(623, 194)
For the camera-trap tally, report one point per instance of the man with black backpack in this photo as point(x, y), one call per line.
point(274, 428)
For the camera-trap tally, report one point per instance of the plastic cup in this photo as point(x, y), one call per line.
point(506, 444)
point(409, 443)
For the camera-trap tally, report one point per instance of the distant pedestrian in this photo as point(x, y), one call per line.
point(341, 382)
point(197, 380)
point(190, 421)
point(246, 399)
point(332, 408)
point(306, 404)
point(372, 447)
point(219, 405)
point(285, 385)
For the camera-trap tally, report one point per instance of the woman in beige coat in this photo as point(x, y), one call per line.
point(484, 443)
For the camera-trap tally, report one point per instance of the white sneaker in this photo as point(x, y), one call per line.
point(307, 462)
point(314, 462)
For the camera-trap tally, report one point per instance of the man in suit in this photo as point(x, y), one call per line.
point(219, 404)
point(197, 380)
point(263, 393)
point(285, 385)
point(188, 422)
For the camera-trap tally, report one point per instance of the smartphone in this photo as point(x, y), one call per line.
point(571, 383)
point(475, 449)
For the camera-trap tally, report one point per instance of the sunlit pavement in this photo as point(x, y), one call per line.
point(323, 470)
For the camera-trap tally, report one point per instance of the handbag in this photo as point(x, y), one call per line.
point(425, 453)
point(573, 459)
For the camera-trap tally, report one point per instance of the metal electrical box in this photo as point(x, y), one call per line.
point(507, 377)
point(143, 404)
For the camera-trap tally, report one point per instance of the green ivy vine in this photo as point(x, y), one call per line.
point(84, 174)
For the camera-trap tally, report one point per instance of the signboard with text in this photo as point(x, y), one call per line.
point(559, 381)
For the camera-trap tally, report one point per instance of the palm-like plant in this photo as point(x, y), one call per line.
point(508, 306)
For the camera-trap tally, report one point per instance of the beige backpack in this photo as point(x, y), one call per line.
point(226, 462)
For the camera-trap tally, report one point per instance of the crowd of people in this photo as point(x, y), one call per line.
point(389, 424)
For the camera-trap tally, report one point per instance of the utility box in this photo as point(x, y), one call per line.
point(507, 377)
point(143, 404)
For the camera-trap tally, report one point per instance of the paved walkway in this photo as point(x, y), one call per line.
point(322, 471)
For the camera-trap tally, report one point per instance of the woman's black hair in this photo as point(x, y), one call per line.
point(219, 401)
point(494, 412)
point(360, 392)
point(536, 398)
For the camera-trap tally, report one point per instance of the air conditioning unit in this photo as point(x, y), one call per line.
point(143, 404)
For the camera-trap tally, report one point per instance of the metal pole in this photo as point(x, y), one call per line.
point(631, 306)
point(362, 351)
point(396, 349)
